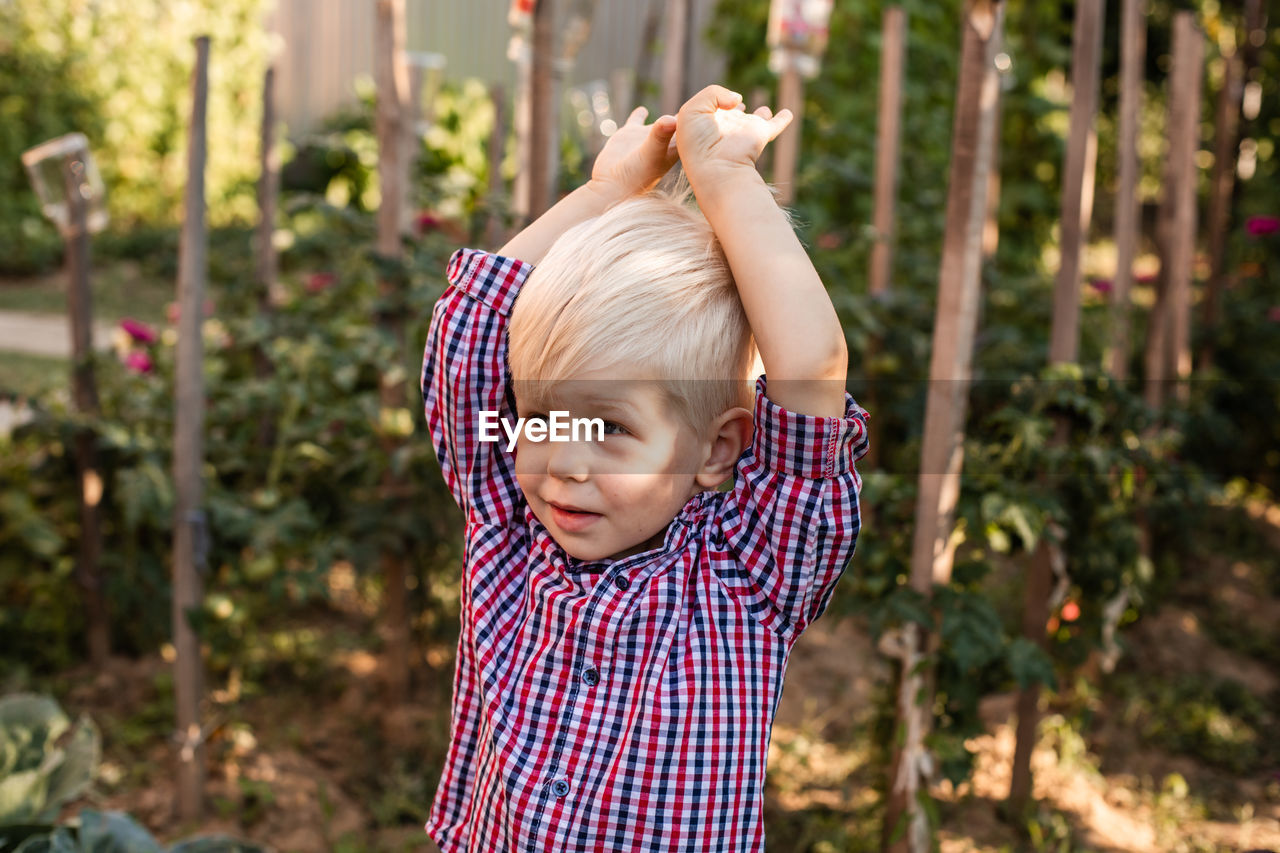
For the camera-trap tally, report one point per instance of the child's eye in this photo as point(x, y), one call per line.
point(535, 417)
point(611, 428)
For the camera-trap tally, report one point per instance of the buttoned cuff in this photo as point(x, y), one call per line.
point(492, 279)
point(808, 445)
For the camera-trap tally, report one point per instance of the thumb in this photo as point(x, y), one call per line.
point(711, 99)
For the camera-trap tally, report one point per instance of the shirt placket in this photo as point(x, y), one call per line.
point(612, 595)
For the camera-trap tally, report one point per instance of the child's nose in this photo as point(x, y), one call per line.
point(569, 460)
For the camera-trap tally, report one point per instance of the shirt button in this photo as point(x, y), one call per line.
point(560, 788)
point(591, 676)
point(621, 581)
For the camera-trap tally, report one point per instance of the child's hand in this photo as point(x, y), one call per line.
point(635, 157)
point(714, 133)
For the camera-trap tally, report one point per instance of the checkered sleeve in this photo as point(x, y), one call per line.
point(792, 518)
point(464, 373)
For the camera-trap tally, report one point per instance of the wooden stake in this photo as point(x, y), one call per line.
point(942, 457)
point(675, 71)
point(1077, 209)
point(888, 133)
point(1184, 139)
point(1077, 180)
point(391, 80)
point(543, 131)
point(892, 52)
point(494, 228)
point(84, 391)
point(1133, 35)
point(190, 533)
point(787, 146)
point(1226, 132)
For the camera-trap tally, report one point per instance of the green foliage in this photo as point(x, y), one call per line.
point(296, 458)
point(45, 759)
point(1217, 720)
point(116, 832)
point(120, 72)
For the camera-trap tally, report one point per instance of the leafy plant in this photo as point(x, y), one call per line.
point(46, 760)
point(116, 832)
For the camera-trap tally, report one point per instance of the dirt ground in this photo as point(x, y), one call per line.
point(293, 770)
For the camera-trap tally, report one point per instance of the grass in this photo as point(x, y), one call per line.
point(121, 288)
point(23, 375)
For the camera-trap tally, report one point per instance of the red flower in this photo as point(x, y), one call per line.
point(1274, 314)
point(318, 281)
point(1102, 285)
point(1070, 611)
point(1261, 226)
point(138, 361)
point(1146, 277)
point(426, 222)
point(139, 331)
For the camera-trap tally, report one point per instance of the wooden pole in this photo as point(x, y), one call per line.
point(1188, 68)
point(1133, 36)
point(266, 261)
point(543, 133)
point(1226, 132)
point(84, 392)
point(190, 533)
point(675, 72)
point(390, 78)
point(888, 134)
point(1077, 209)
point(888, 131)
point(494, 228)
point(1077, 179)
point(942, 454)
point(787, 146)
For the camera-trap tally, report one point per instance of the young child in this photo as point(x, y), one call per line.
point(625, 626)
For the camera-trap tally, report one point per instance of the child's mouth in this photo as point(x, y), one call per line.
point(571, 519)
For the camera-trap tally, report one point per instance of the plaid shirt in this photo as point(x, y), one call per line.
point(621, 705)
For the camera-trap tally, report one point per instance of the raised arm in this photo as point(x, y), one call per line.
point(633, 160)
point(791, 315)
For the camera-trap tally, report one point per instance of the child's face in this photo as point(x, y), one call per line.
point(615, 497)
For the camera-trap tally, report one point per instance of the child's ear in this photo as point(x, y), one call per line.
point(730, 435)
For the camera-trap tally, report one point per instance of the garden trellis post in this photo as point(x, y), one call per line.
point(1226, 125)
point(1133, 39)
point(494, 229)
point(888, 134)
point(1168, 354)
point(888, 137)
point(391, 81)
point(797, 39)
point(1064, 344)
point(266, 260)
point(675, 55)
point(65, 178)
point(942, 452)
point(543, 126)
point(190, 530)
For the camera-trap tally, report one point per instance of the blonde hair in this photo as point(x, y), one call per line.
point(645, 290)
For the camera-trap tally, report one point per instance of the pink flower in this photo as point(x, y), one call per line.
point(1274, 314)
point(173, 311)
point(139, 331)
point(426, 222)
point(138, 361)
point(1261, 226)
point(319, 281)
point(1146, 277)
point(1102, 285)
point(830, 240)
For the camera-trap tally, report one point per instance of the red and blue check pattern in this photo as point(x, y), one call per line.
point(622, 705)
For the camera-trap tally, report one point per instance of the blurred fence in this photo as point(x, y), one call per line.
point(324, 53)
